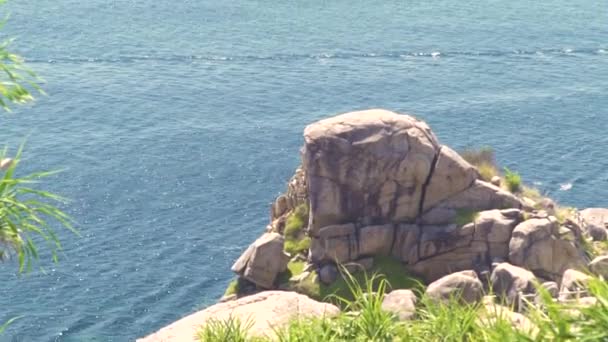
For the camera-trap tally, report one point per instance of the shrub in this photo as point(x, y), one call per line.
point(512, 180)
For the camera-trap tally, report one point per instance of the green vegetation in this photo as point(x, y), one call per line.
point(230, 330)
point(364, 320)
point(293, 247)
point(512, 180)
point(392, 270)
point(25, 212)
point(483, 159)
point(15, 77)
point(465, 216)
point(233, 288)
point(296, 241)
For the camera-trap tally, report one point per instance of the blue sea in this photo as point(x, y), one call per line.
point(178, 122)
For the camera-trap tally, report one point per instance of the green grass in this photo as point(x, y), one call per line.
point(230, 330)
point(296, 241)
point(364, 320)
point(392, 271)
point(233, 288)
point(465, 216)
point(487, 171)
point(512, 180)
point(293, 247)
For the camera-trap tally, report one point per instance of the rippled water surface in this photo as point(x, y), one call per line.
point(179, 121)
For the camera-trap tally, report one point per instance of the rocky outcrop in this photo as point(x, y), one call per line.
point(263, 261)
point(266, 311)
point(464, 286)
point(377, 183)
point(402, 303)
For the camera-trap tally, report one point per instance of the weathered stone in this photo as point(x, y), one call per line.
point(573, 283)
point(495, 181)
point(263, 260)
point(480, 196)
point(376, 240)
point(496, 226)
point(508, 281)
point(337, 243)
point(328, 273)
point(402, 303)
point(551, 257)
point(464, 286)
point(452, 175)
point(267, 311)
point(599, 266)
point(551, 287)
point(525, 235)
point(595, 221)
point(371, 163)
point(405, 246)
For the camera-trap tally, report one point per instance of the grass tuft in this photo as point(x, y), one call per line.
point(230, 330)
point(512, 180)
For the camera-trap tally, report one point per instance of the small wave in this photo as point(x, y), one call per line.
point(322, 56)
point(565, 186)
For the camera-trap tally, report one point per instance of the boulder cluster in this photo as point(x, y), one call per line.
point(376, 183)
point(380, 183)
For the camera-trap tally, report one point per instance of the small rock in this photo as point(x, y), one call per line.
point(328, 273)
point(402, 303)
point(573, 283)
point(599, 266)
point(508, 281)
point(465, 285)
point(551, 287)
point(495, 181)
point(595, 221)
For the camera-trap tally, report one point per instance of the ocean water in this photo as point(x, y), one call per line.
point(178, 122)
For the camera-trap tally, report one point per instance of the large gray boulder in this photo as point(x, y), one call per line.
point(263, 260)
point(266, 311)
point(508, 281)
point(464, 286)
